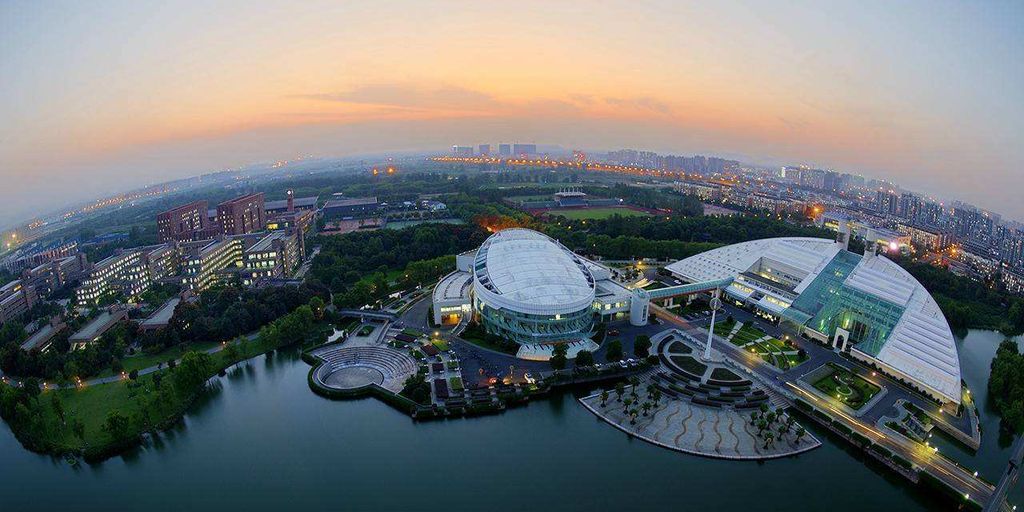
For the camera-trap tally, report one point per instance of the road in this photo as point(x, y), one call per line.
point(924, 457)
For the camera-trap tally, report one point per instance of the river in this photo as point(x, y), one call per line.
point(261, 440)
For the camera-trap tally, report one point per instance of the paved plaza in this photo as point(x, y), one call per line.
point(353, 377)
point(711, 432)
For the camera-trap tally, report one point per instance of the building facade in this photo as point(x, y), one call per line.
point(242, 215)
point(183, 223)
point(124, 274)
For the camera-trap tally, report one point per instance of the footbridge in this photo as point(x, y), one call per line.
point(689, 289)
point(640, 303)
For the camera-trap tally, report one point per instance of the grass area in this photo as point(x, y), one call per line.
point(539, 197)
point(408, 331)
point(689, 364)
point(596, 213)
point(453, 365)
point(724, 374)
point(654, 285)
point(441, 345)
point(724, 328)
point(365, 330)
point(845, 386)
point(148, 402)
point(143, 360)
point(916, 411)
point(678, 347)
point(402, 224)
point(455, 383)
point(475, 334)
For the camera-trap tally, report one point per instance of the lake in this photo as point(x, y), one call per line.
point(261, 440)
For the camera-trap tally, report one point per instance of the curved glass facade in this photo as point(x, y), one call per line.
point(525, 328)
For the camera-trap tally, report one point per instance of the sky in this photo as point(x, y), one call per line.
point(100, 97)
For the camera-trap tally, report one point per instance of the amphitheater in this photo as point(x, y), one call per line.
point(349, 368)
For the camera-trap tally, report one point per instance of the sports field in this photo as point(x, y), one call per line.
point(595, 213)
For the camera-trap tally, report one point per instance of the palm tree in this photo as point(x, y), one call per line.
point(770, 417)
point(626, 403)
point(769, 438)
point(754, 417)
point(800, 432)
point(646, 407)
point(657, 396)
point(761, 426)
point(620, 388)
point(604, 397)
point(650, 390)
point(764, 408)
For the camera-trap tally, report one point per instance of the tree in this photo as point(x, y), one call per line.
point(1006, 385)
point(620, 388)
point(192, 373)
point(800, 432)
point(318, 306)
point(117, 425)
point(31, 388)
point(614, 351)
point(641, 345)
point(231, 352)
point(78, 428)
point(604, 396)
point(58, 406)
point(558, 356)
point(584, 358)
point(646, 406)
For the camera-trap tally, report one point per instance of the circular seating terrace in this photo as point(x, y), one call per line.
point(356, 367)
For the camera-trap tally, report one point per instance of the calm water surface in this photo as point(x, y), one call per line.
point(261, 440)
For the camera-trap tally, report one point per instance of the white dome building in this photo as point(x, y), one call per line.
point(530, 289)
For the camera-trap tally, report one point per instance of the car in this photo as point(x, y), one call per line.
point(613, 332)
point(623, 364)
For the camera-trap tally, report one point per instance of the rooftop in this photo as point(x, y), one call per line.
point(528, 269)
point(834, 285)
point(298, 202)
point(352, 201)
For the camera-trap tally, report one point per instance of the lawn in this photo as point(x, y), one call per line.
point(365, 330)
point(689, 364)
point(847, 387)
point(441, 345)
point(455, 383)
point(92, 404)
point(596, 213)
point(142, 360)
point(402, 224)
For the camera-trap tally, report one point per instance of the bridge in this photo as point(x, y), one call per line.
point(1009, 478)
point(363, 314)
point(639, 307)
point(689, 289)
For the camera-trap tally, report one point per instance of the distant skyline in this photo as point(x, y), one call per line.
point(98, 98)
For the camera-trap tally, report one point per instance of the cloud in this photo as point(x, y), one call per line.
point(411, 96)
point(641, 103)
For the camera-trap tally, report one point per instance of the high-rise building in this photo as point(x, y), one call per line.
point(504, 149)
point(15, 299)
point(242, 215)
point(125, 274)
point(484, 150)
point(462, 150)
point(524, 149)
point(886, 201)
point(183, 223)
